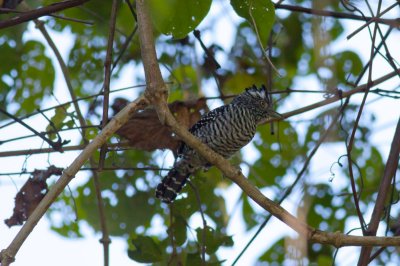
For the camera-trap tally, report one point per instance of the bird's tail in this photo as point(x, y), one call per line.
point(171, 185)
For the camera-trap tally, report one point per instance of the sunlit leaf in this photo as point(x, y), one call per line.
point(178, 17)
point(57, 121)
point(259, 13)
point(213, 239)
point(237, 82)
point(178, 230)
point(146, 250)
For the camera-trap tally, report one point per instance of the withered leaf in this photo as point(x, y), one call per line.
point(31, 193)
point(145, 132)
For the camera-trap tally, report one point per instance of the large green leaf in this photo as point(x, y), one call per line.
point(213, 239)
point(144, 249)
point(259, 13)
point(236, 83)
point(178, 230)
point(178, 17)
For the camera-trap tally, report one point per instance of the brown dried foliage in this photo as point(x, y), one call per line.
point(29, 196)
point(145, 132)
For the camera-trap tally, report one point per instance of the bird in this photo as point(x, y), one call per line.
point(225, 130)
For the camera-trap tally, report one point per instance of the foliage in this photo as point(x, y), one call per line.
point(299, 50)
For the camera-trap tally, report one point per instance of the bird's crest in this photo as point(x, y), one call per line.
point(259, 93)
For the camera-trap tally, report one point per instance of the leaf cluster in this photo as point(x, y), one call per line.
point(298, 45)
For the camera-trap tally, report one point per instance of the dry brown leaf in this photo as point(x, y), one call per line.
point(29, 196)
point(145, 132)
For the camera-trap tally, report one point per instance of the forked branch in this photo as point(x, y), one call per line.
point(157, 90)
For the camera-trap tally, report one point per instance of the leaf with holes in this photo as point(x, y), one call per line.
point(144, 249)
point(178, 17)
point(259, 13)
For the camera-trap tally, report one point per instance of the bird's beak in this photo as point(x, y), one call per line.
point(275, 115)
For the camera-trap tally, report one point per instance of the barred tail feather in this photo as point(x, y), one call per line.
point(171, 185)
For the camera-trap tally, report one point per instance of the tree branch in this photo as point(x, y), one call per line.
point(384, 187)
point(334, 14)
point(157, 89)
point(7, 255)
point(42, 11)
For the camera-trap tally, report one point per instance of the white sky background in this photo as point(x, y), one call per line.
point(44, 247)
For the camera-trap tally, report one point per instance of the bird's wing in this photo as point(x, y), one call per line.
point(206, 119)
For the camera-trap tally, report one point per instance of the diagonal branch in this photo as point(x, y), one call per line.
point(37, 13)
point(107, 76)
point(157, 91)
point(334, 14)
point(57, 146)
point(7, 256)
point(105, 239)
point(299, 175)
point(384, 187)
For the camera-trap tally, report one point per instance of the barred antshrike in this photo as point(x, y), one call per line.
point(225, 130)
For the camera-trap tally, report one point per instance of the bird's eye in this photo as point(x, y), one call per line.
point(262, 102)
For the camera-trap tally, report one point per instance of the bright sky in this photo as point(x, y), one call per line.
point(46, 248)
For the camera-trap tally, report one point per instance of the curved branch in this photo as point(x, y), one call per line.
point(157, 90)
point(7, 255)
point(43, 11)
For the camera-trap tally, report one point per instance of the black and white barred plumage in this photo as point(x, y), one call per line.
point(225, 130)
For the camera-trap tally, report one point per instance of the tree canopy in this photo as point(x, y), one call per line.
point(319, 162)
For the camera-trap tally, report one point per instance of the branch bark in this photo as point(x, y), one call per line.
point(157, 91)
point(334, 14)
point(43, 11)
point(384, 190)
point(8, 255)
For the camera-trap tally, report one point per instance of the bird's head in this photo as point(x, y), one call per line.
point(258, 101)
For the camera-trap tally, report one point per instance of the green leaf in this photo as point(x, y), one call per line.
point(184, 79)
point(184, 74)
point(324, 260)
point(347, 63)
point(194, 259)
point(178, 17)
point(213, 239)
point(57, 120)
point(178, 229)
point(236, 83)
point(248, 214)
point(259, 13)
point(144, 249)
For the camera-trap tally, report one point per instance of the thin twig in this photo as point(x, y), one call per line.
point(203, 218)
point(334, 14)
point(157, 90)
point(299, 176)
point(64, 70)
point(8, 255)
point(66, 104)
point(105, 239)
point(349, 145)
point(107, 76)
point(373, 19)
point(53, 131)
point(42, 11)
point(57, 146)
point(266, 56)
point(148, 168)
point(358, 89)
point(384, 186)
